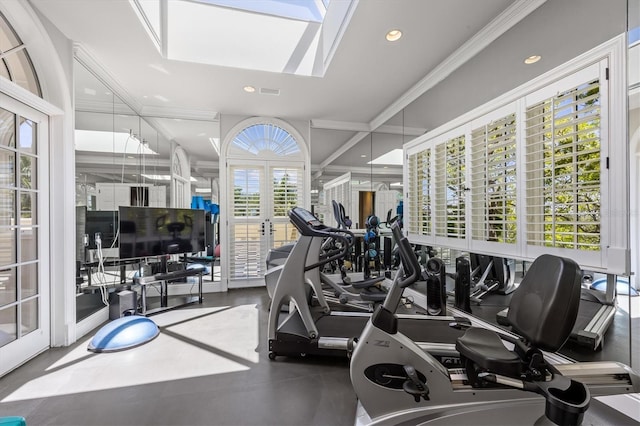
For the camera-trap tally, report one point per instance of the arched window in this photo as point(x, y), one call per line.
point(264, 140)
point(181, 179)
point(15, 63)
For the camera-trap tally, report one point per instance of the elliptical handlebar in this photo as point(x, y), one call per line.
point(410, 263)
point(308, 225)
point(336, 234)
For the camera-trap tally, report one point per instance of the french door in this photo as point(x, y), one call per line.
point(24, 266)
point(263, 193)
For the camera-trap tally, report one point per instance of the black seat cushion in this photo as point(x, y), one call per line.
point(544, 308)
point(484, 347)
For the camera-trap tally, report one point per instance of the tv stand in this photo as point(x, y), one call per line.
point(163, 279)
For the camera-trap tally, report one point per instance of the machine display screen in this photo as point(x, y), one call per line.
point(306, 216)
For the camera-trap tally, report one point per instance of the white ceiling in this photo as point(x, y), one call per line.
point(367, 84)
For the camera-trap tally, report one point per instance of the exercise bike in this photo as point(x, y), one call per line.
point(398, 383)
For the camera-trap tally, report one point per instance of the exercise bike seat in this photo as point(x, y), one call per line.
point(487, 350)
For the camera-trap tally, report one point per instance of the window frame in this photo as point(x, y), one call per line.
point(608, 61)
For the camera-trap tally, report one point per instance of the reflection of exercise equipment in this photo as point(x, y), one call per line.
point(399, 383)
point(494, 275)
point(436, 287)
point(177, 244)
point(479, 276)
point(371, 246)
point(462, 288)
point(368, 290)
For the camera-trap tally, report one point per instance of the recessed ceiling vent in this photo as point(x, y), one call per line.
point(267, 91)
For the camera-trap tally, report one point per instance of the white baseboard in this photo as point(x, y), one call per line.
point(94, 320)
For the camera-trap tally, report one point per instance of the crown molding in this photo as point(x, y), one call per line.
point(161, 128)
point(182, 113)
point(498, 26)
point(89, 61)
point(84, 105)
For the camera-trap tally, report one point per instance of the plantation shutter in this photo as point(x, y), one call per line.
point(246, 229)
point(338, 189)
point(419, 217)
point(288, 192)
point(449, 180)
point(493, 181)
point(563, 169)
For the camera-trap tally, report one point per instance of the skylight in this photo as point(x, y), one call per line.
point(110, 142)
point(285, 36)
point(392, 158)
point(303, 10)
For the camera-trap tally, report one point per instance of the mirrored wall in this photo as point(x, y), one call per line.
point(124, 159)
point(633, 57)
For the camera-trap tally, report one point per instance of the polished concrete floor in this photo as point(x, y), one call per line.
point(208, 366)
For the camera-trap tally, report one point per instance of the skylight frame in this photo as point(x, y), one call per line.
point(309, 42)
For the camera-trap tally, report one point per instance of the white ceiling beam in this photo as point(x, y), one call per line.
point(340, 125)
point(366, 171)
point(516, 12)
point(400, 130)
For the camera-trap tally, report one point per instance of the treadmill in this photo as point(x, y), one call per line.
point(596, 313)
point(305, 331)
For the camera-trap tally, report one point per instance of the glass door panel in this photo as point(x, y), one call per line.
point(247, 223)
point(24, 288)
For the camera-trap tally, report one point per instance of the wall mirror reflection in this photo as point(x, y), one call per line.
point(633, 65)
point(152, 164)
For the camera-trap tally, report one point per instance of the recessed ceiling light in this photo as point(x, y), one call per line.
point(249, 89)
point(394, 35)
point(532, 59)
point(364, 156)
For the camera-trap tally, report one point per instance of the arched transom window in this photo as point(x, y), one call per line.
point(15, 63)
point(264, 140)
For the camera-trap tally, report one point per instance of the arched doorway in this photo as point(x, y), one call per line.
point(265, 172)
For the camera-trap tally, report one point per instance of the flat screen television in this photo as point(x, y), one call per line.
point(104, 222)
point(153, 231)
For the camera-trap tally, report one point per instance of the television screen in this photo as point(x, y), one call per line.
point(103, 222)
point(153, 231)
